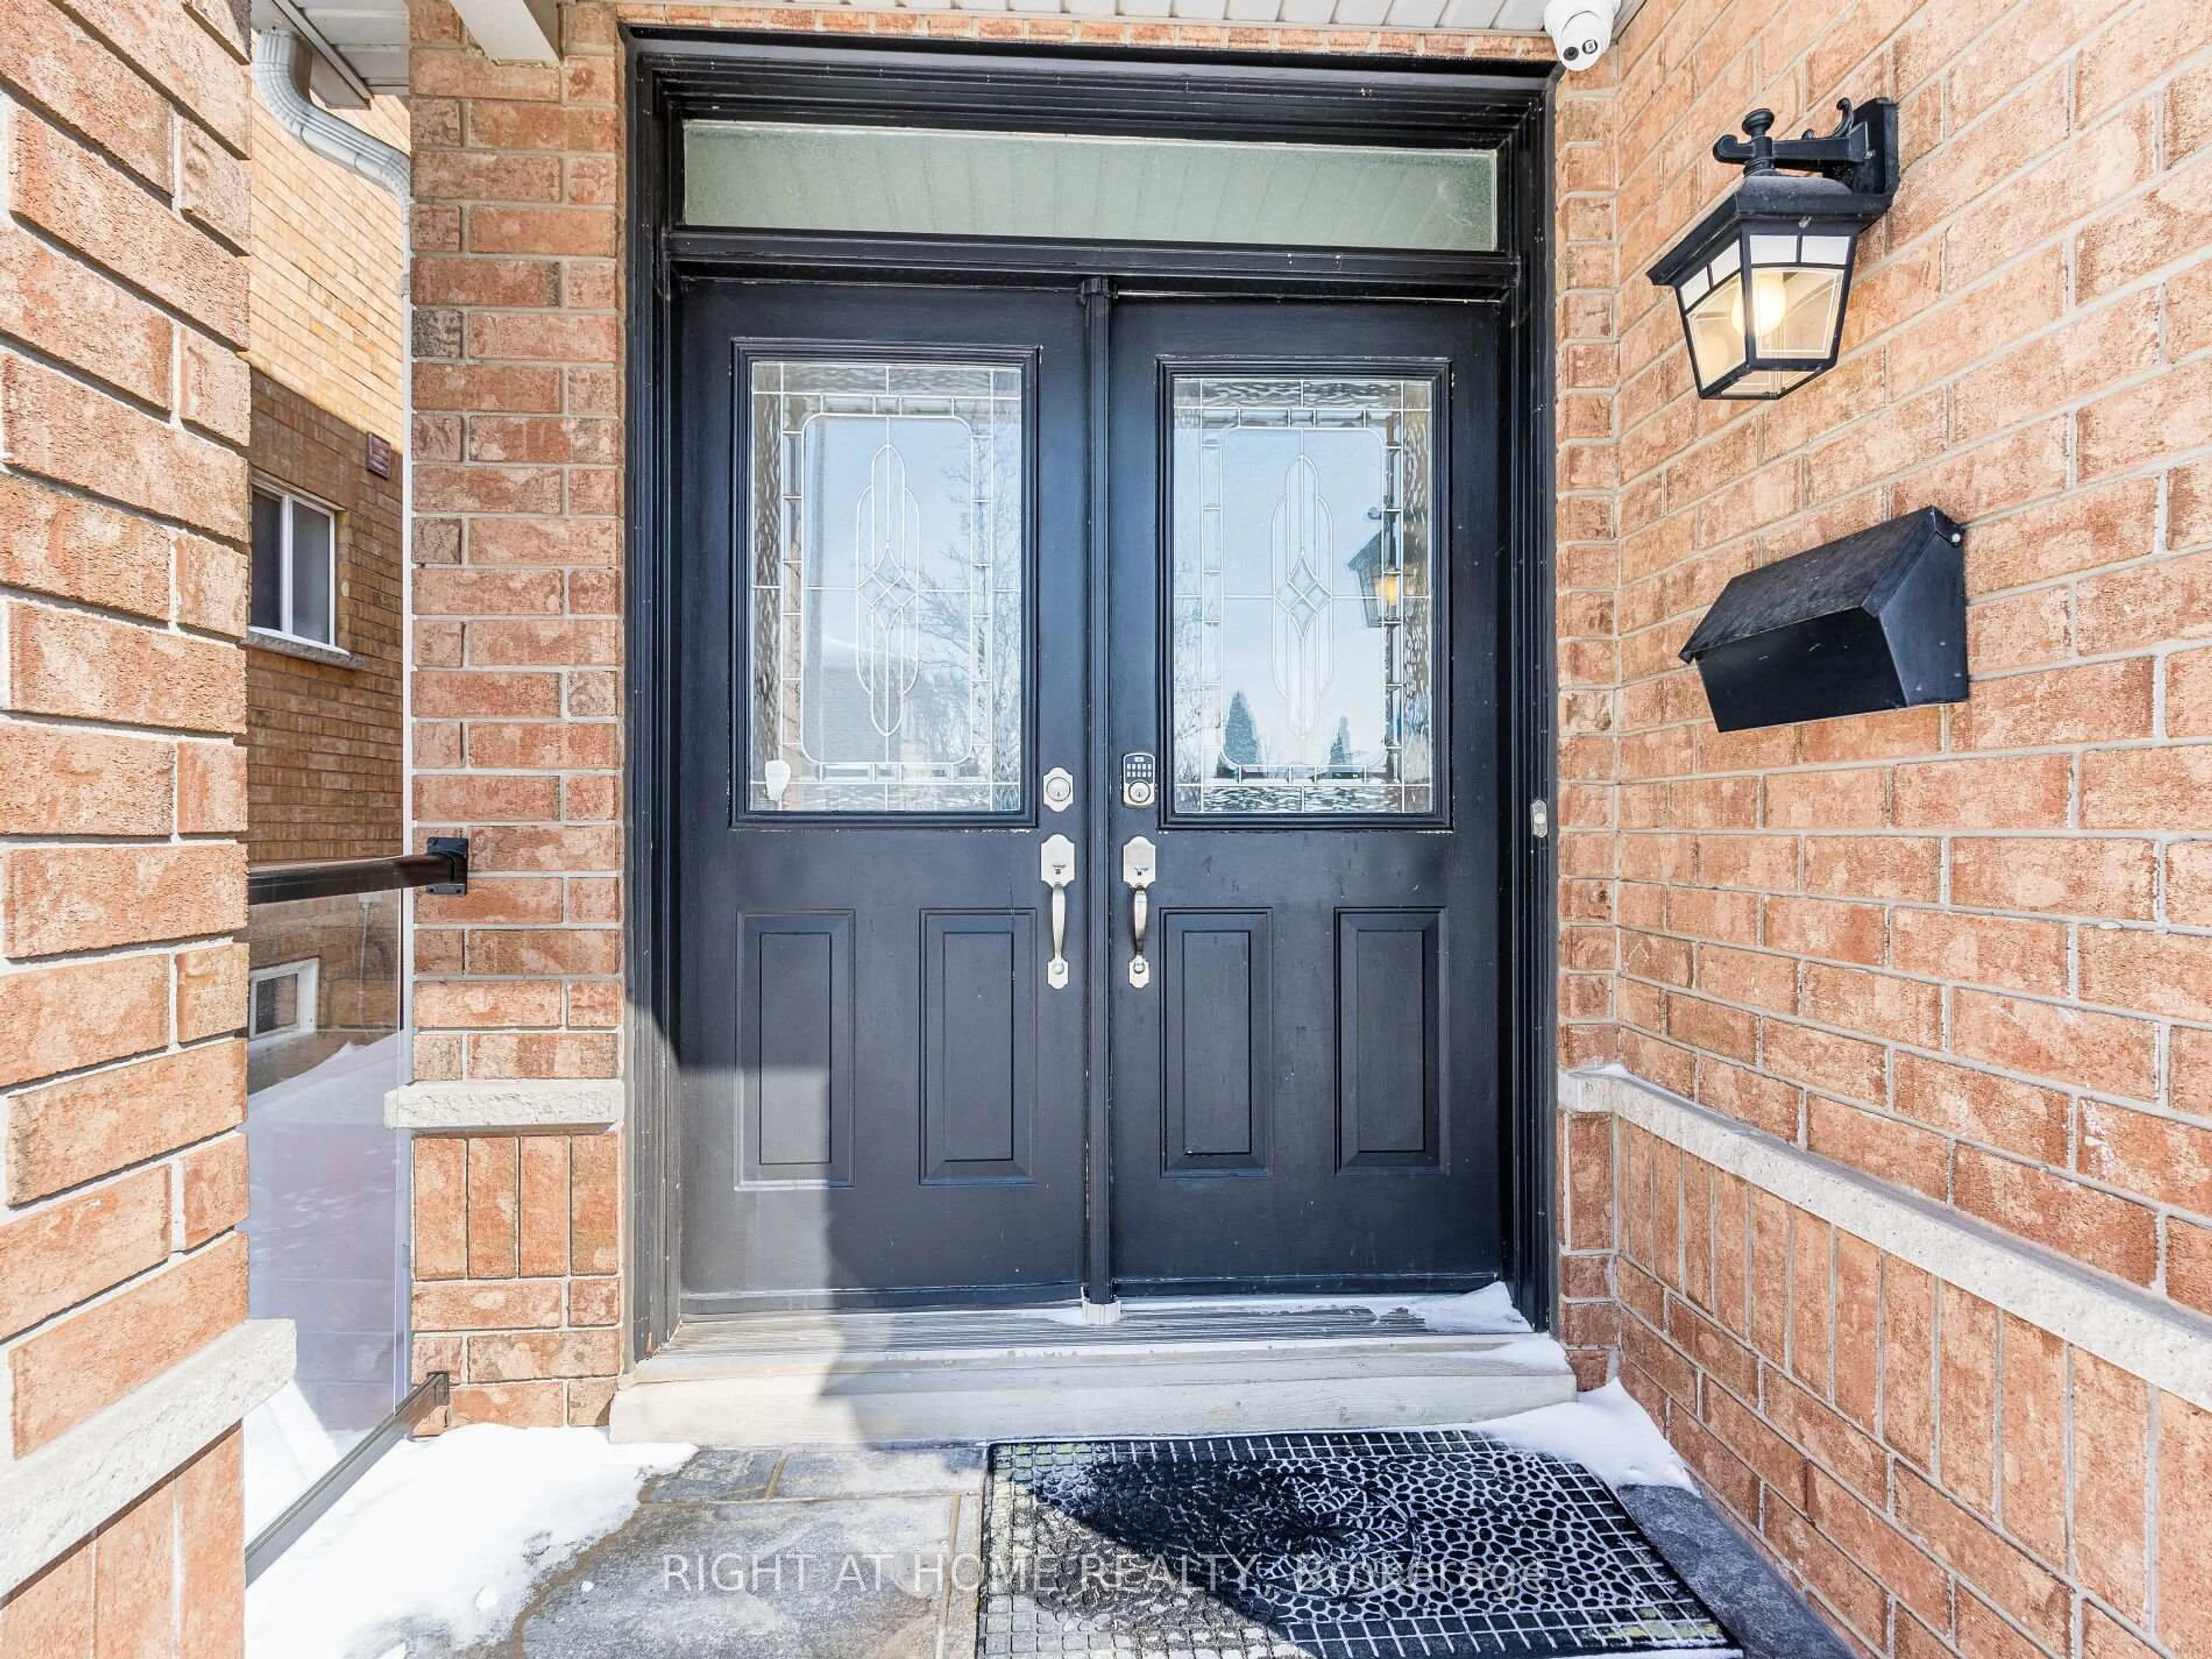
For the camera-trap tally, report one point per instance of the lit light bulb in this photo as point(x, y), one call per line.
point(1770, 300)
point(1770, 303)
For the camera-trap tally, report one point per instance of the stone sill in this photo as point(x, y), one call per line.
point(2168, 1347)
point(458, 1108)
point(57, 1496)
point(285, 644)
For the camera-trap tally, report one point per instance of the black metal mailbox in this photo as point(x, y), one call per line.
point(1874, 621)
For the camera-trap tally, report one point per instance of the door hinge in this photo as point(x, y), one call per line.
point(1539, 819)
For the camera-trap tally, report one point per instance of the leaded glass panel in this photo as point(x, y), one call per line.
point(887, 606)
point(1303, 650)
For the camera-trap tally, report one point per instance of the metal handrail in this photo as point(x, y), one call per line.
point(444, 868)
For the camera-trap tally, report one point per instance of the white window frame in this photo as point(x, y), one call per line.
point(289, 499)
point(309, 973)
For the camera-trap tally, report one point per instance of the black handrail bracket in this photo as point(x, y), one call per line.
point(443, 869)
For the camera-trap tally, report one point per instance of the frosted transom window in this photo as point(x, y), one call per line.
point(923, 181)
point(1302, 651)
point(887, 619)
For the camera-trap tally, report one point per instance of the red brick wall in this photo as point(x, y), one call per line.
point(124, 419)
point(168, 1576)
point(1967, 950)
point(324, 740)
point(517, 1248)
point(1940, 1476)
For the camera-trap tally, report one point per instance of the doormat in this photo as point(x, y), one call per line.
point(1427, 1544)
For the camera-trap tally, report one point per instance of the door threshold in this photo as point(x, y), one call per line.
point(1140, 1320)
point(1218, 1365)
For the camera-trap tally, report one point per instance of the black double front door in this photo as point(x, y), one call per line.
point(1009, 662)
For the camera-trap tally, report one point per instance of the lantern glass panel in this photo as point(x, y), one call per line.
point(1796, 310)
point(1715, 322)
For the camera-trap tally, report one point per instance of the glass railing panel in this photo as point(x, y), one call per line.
point(327, 1214)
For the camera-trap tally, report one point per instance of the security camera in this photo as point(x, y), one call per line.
point(1581, 29)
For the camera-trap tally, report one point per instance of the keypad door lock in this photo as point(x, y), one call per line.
point(1139, 779)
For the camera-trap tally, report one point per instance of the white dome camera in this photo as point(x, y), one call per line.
point(1581, 29)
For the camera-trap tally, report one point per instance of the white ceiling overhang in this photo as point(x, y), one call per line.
point(361, 45)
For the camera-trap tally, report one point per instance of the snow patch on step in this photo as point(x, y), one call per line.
point(1605, 1430)
point(440, 1545)
point(1486, 1312)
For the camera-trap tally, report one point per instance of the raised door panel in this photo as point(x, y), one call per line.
point(1217, 984)
point(1389, 1040)
point(979, 1041)
point(795, 1109)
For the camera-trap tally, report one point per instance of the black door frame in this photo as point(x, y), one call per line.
point(675, 73)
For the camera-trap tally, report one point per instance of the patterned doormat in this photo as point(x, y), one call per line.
point(1428, 1545)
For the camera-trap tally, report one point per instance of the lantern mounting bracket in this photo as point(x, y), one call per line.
point(1860, 153)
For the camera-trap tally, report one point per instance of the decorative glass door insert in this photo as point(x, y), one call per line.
point(1302, 649)
point(887, 619)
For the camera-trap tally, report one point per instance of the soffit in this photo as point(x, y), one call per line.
point(363, 43)
point(360, 45)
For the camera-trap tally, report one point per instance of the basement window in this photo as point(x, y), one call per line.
point(281, 1001)
point(295, 550)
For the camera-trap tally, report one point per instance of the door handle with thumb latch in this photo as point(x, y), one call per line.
point(1140, 864)
point(1058, 861)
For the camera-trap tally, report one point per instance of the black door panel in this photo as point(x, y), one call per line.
point(1307, 1092)
point(882, 1098)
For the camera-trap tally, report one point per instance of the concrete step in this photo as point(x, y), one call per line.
point(1232, 1366)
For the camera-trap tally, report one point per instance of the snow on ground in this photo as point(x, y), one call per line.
point(1605, 1430)
point(1486, 1312)
point(441, 1543)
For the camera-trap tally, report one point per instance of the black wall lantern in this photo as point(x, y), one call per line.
point(1764, 278)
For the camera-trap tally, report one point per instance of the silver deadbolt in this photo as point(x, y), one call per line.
point(1059, 789)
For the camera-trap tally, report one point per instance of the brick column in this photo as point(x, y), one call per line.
point(1587, 572)
point(124, 414)
point(517, 690)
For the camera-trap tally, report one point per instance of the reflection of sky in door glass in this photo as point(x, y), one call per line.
point(887, 605)
point(1301, 646)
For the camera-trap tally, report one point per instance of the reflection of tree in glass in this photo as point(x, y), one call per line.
point(1340, 747)
point(964, 718)
point(1240, 739)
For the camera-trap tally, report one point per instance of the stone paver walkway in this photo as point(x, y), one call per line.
point(838, 1553)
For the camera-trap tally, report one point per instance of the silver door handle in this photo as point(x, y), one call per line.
point(1059, 870)
point(1140, 864)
